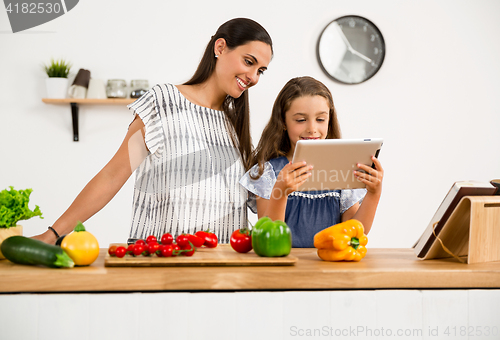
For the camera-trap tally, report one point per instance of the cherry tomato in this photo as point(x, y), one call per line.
point(120, 252)
point(167, 250)
point(190, 249)
point(167, 239)
point(196, 240)
point(175, 249)
point(158, 252)
point(150, 239)
point(182, 240)
point(140, 242)
point(241, 240)
point(153, 247)
point(130, 249)
point(210, 238)
point(112, 250)
point(139, 249)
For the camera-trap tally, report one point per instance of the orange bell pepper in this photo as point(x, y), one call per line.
point(344, 241)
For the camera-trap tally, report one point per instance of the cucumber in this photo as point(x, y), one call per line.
point(25, 250)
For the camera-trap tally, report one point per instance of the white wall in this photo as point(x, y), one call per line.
point(434, 101)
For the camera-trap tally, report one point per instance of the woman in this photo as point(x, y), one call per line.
point(190, 145)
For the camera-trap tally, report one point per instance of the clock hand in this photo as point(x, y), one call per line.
point(342, 35)
point(349, 47)
point(360, 55)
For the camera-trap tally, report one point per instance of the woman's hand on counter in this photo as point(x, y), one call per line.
point(47, 237)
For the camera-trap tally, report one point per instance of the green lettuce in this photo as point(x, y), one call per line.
point(14, 207)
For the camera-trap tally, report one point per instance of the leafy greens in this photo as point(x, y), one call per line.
point(14, 207)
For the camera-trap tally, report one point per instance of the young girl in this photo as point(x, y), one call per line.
point(190, 144)
point(304, 110)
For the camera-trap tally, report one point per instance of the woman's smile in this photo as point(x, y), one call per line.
point(241, 84)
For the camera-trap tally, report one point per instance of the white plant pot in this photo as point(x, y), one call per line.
point(56, 87)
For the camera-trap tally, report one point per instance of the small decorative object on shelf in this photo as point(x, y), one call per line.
point(80, 84)
point(97, 89)
point(57, 83)
point(117, 88)
point(138, 87)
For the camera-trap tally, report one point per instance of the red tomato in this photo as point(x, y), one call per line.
point(201, 234)
point(151, 238)
point(210, 238)
point(175, 249)
point(167, 250)
point(196, 240)
point(112, 250)
point(153, 247)
point(190, 249)
point(160, 247)
point(182, 240)
point(139, 249)
point(241, 240)
point(120, 252)
point(140, 242)
point(130, 249)
point(167, 239)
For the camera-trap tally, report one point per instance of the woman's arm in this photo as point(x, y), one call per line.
point(373, 180)
point(290, 178)
point(104, 186)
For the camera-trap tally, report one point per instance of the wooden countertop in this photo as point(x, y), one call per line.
point(381, 268)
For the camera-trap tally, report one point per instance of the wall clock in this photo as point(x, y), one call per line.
point(351, 49)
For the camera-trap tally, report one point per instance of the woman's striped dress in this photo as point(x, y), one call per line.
point(190, 179)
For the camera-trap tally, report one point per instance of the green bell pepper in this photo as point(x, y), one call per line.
point(271, 238)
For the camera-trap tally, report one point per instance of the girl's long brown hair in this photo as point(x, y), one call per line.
point(236, 32)
point(274, 141)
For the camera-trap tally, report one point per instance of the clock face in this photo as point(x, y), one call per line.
point(351, 49)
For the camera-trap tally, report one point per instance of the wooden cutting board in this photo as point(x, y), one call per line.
point(222, 255)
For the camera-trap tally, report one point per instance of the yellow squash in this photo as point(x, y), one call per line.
point(345, 241)
point(81, 246)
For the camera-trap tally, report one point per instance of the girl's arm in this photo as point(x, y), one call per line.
point(104, 186)
point(373, 180)
point(290, 178)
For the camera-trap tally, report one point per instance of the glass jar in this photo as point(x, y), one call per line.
point(117, 88)
point(138, 88)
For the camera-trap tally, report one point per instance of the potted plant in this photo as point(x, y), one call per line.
point(57, 83)
point(14, 208)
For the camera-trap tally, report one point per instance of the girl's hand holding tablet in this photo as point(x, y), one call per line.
point(290, 178)
point(371, 177)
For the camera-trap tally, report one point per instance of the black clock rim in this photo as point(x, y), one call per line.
point(381, 39)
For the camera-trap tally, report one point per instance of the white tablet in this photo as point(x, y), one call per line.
point(334, 161)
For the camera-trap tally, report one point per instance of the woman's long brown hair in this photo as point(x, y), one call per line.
point(274, 141)
point(236, 32)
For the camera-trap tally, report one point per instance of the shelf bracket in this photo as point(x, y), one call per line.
point(74, 116)
point(74, 102)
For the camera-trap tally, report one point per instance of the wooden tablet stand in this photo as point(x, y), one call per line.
point(472, 230)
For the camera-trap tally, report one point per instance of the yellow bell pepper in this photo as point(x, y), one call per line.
point(81, 246)
point(344, 241)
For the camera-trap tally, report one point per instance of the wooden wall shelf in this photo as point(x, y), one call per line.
point(87, 101)
point(74, 102)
